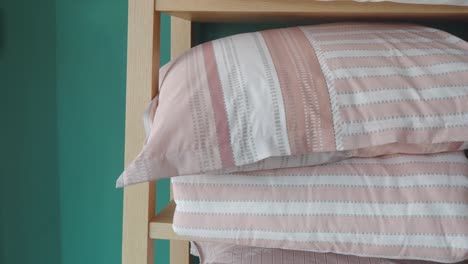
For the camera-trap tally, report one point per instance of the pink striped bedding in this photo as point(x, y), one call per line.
point(219, 253)
point(305, 96)
point(397, 207)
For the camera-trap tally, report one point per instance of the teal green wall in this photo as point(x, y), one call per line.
point(90, 108)
point(29, 218)
point(91, 69)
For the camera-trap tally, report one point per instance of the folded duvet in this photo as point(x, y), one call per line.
point(397, 207)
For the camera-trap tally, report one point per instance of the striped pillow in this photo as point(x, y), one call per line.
point(307, 95)
point(398, 207)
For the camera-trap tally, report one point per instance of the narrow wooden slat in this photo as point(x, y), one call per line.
point(286, 10)
point(180, 252)
point(181, 41)
point(137, 247)
point(161, 224)
point(142, 75)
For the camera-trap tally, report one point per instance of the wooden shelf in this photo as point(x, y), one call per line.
point(285, 10)
point(160, 226)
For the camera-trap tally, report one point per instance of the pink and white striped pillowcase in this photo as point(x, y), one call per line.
point(305, 96)
point(398, 207)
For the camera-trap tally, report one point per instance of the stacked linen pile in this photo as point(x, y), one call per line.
point(398, 206)
point(342, 138)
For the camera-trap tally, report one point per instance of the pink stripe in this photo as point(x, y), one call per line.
point(290, 88)
point(338, 63)
point(293, 55)
point(316, 193)
point(383, 35)
point(449, 255)
point(217, 100)
point(385, 46)
point(427, 81)
point(400, 135)
point(422, 108)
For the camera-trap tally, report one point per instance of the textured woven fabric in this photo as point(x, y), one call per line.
point(398, 207)
point(304, 96)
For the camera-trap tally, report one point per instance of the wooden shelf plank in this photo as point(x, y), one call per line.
point(160, 226)
point(284, 10)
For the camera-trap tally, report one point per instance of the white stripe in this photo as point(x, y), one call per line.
point(203, 113)
point(374, 31)
point(409, 94)
point(450, 39)
point(234, 101)
point(400, 240)
point(385, 181)
point(362, 72)
point(259, 94)
point(266, 97)
point(442, 121)
point(388, 53)
point(311, 208)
